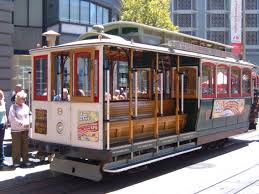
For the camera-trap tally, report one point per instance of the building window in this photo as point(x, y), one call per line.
point(218, 36)
point(184, 20)
point(252, 38)
point(251, 4)
point(208, 80)
point(100, 15)
point(251, 20)
point(222, 80)
point(183, 4)
point(92, 14)
point(215, 5)
point(74, 11)
point(84, 12)
point(235, 81)
point(40, 77)
point(105, 15)
point(246, 82)
point(216, 20)
point(64, 10)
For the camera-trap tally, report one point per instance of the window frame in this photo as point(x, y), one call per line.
point(240, 81)
point(36, 97)
point(92, 98)
point(212, 65)
point(228, 83)
point(250, 73)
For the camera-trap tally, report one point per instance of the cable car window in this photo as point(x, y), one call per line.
point(61, 78)
point(208, 80)
point(83, 75)
point(40, 77)
point(142, 83)
point(222, 80)
point(246, 82)
point(235, 81)
point(119, 80)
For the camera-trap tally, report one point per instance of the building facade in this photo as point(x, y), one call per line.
point(210, 19)
point(6, 47)
point(70, 18)
point(22, 23)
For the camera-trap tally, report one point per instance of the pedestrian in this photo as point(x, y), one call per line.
point(18, 88)
point(3, 124)
point(20, 123)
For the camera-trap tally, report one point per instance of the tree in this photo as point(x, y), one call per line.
point(151, 12)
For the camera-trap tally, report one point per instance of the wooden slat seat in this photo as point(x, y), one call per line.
point(119, 130)
point(119, 111)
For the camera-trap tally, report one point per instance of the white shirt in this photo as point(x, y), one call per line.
point(19, 117)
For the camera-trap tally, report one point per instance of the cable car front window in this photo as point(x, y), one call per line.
point(83, 76)
point(61, 79)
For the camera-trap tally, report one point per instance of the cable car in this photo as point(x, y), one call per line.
point(128, 94)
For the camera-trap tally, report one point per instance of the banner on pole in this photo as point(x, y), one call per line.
point(236, 26)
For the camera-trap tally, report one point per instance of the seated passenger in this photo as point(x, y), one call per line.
point(116, 95)
point(80, 92)
point(66, 96)
point(106, 96)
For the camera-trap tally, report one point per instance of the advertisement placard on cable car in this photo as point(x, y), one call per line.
point(40, 121)
point(229, 107)
point(87, 128)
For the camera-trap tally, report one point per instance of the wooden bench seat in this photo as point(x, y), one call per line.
point(119, 130)
point(120, 110)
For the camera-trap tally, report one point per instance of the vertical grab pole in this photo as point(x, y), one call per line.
point(130, 99)
point(182, 92)
point(136, 93)
point(177, 96)
point(156, 97)
point(108, 108)
point(161, 94)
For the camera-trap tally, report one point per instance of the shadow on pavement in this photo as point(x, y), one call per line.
point(60, 183)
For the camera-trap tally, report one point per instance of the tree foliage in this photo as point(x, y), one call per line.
point(151, 12)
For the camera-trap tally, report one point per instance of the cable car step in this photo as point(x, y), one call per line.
point(80, 169)
point(120, 166)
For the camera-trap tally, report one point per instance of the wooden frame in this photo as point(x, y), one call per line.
point(35, 58)
point(195, 86)
point(250, 74)
point(240, 84)
point(228, 80)
point(212, 65)
point(84, 52)
point(53, 55)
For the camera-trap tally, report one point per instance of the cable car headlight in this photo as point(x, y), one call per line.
point(60, 127)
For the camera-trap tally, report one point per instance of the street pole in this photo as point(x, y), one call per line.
point(243, 30)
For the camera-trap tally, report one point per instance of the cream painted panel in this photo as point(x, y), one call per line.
point(53, 116)
point(76, 108)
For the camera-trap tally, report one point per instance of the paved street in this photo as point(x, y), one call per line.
point(232, 169)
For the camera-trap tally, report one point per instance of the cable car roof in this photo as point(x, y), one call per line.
point(112, 40)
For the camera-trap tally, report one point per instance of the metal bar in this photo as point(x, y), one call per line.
point(162, 94)
point(177, 95)
point(156, 98)
point(182, 93)
point(108, 109)
point(130, 98)
point(136, 93)
point(151, 161)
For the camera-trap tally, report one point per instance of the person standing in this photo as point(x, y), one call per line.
point(3, 124)
point(18, 88)
point(20, 123)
